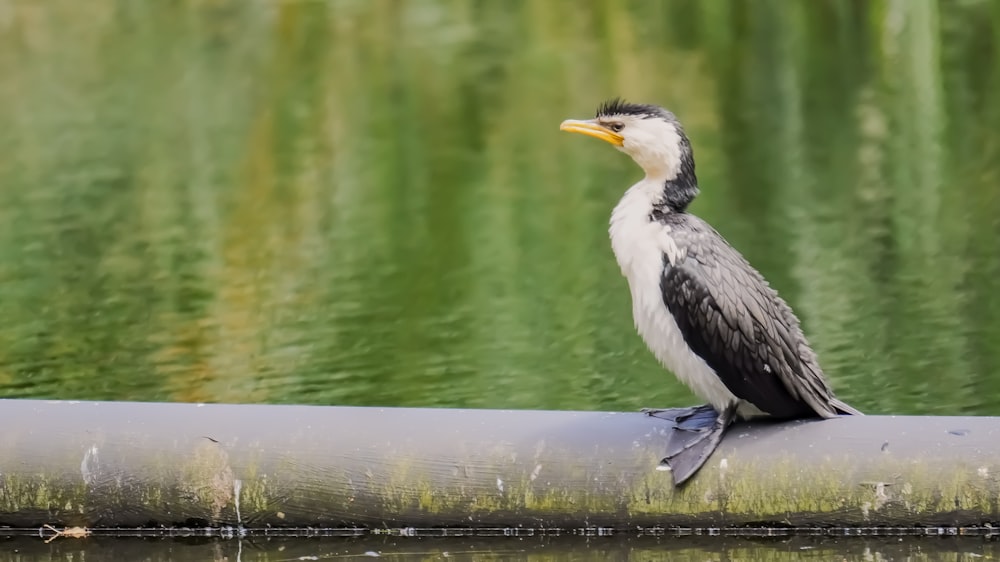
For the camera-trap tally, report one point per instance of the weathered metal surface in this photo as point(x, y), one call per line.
point(120, 464)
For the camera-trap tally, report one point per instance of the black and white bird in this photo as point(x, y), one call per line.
point(705, 313)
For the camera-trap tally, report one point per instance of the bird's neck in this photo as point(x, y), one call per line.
point(677, 194)
point(671, 193)
point(674, 184)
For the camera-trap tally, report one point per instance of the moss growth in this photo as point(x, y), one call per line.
point(255, 494)
point(782, 491)
point(208, 477)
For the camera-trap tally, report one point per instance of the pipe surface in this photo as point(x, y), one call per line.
point(127, 464)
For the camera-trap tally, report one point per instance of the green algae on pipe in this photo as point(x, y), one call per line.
point(125, 464)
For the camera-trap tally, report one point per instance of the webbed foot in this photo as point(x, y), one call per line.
point(694, 439)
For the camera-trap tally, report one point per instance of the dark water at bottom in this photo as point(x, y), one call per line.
point(552, 549)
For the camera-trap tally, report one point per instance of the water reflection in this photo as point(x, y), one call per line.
point(25, 549)
point(370, 202)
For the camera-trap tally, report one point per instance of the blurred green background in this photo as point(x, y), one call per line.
point(369, 201)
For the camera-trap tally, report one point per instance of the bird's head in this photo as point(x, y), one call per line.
point(651, 135)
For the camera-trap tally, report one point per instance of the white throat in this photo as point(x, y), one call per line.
point(637, 239)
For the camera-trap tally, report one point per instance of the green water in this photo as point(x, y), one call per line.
point(370, 202)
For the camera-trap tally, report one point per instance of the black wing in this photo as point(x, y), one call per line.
point(741, 328)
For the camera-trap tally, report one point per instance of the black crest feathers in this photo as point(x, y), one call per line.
point(618, 106)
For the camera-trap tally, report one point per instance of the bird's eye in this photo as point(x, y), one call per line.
point(616, 127)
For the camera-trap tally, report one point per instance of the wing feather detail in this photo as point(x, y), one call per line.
point(740, 327)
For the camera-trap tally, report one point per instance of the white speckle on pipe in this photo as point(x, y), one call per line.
point(983, 472)
point(499, 484)
point(663, 467)
point(881, 497)
point(89, 466)
point(536, 472)
point(237, 486)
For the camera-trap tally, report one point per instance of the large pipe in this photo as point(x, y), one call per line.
point(126, 464)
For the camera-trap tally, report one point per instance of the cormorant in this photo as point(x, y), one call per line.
point(705, 313)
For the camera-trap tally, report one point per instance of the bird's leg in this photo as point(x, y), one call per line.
point(689, 448)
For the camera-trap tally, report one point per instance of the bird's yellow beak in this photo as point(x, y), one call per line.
point(591, 128)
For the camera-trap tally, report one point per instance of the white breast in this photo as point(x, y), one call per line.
point(639, 245)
